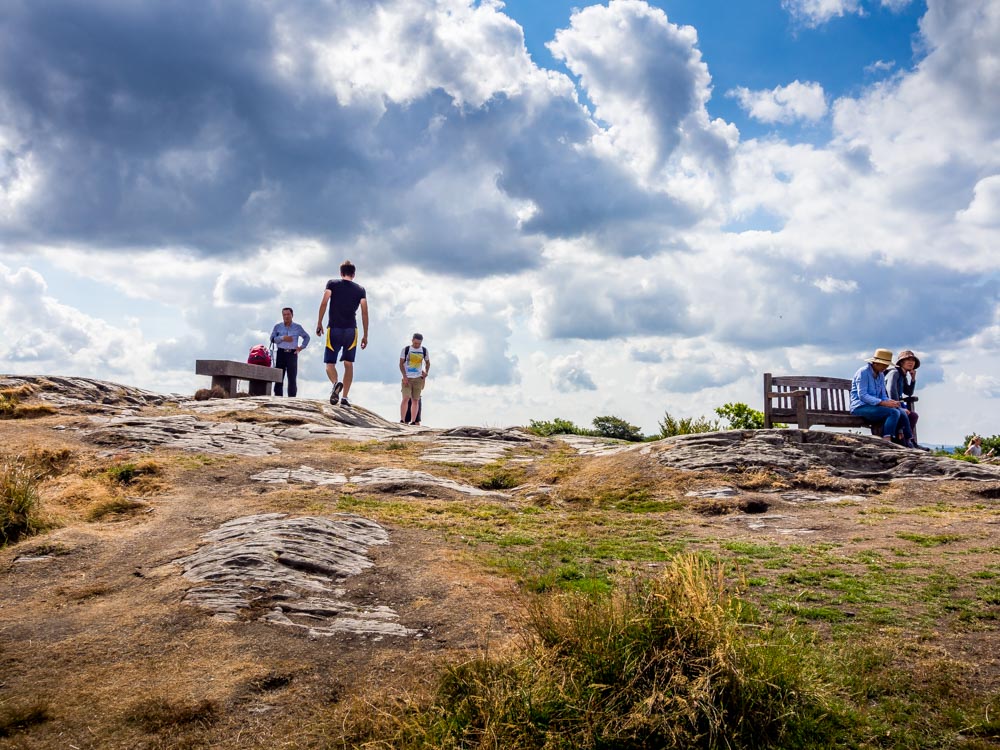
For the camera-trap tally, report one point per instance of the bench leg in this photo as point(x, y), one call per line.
point(226, 383)
point(260, 387)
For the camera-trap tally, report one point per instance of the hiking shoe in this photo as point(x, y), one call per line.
point(345, 402)
point(335, 393)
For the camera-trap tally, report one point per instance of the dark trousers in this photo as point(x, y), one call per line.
point(287, 360)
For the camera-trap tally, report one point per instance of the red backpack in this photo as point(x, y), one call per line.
point(259, 355)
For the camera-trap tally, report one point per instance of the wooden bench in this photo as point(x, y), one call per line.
point(225, 373)
point(808, 400)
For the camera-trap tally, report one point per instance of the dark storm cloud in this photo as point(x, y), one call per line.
point(159, 123)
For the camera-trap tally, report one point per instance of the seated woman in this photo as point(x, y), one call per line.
point(975, 448)
point(870, 401)
point(901, 381)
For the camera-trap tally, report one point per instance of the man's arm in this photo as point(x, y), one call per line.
point(274, 333)
point(402, 366)
point(427, 363)
point(305, 338)
point(322, 312)
point(364, 322)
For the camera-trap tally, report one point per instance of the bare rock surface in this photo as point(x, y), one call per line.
point(75, 392)
point(468, 451)
point(595, 446)
point(275, 421)
point(792, 452)
point(289, 569)
point(383, 479)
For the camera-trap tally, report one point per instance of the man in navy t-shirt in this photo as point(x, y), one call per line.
point(344, 298)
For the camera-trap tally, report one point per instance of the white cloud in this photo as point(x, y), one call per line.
point(830, 285)
point(817, 12)
point(652, 98)
point(570, 374)
point(784, 104)
point(984, 385)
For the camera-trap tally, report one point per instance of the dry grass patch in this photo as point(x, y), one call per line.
point(17, 718)
point(12, 408)
point(623, 478)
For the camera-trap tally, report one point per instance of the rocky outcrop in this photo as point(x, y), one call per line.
point(288, 571)
point(792, 452)
point(389, 480)
point(83, 392)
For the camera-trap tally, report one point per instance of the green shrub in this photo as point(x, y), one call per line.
point(741, 417)
point(557, 426)
point(615, 427)
point(19, 501)
point(670, 427)
point(666, 663)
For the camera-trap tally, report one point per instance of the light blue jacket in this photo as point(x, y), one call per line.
point(867, 388)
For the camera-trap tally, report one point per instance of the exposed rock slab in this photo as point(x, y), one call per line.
point(291, 569)
point(792, 452)
point(76, 392)
point(382, 479)
point(298, 420)
point(595, 446)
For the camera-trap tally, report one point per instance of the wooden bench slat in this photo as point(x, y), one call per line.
point(808, 400)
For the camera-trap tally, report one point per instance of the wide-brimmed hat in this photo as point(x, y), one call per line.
point(881, 356)
point(907, 354)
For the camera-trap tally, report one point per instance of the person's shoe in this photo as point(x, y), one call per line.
point(345, 402)
point(415, 424)
point(335, 393)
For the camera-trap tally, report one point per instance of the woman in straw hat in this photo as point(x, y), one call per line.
point(900, 382)
point(870, 400)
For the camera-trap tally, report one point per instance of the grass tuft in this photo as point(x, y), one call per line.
point(160, 714)
point(14, 719)
point(19, 500)
point(118, 506)
point(673, 662)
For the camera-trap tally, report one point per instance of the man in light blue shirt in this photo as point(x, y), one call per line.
point(870, 401)
point(285, 335)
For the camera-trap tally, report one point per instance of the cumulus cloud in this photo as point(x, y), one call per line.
point(653, 98)
point(783, 104)
point(984, 385)
point(570, 374)
point(41, 335)
point(817, 12)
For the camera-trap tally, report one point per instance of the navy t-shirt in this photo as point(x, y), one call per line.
point(345, 298)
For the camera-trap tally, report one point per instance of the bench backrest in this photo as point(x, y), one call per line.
point(822, 393)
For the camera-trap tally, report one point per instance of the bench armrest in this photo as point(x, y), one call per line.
point(800, 397)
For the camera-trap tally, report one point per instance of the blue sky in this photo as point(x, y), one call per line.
point(758, 44)
point(646, 210)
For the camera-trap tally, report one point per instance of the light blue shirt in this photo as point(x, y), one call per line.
point(867, 388)
point(294, 329)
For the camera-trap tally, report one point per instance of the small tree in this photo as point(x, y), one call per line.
point(670, 427)
point(741, 417)
point(615, 427)
point(557, 426)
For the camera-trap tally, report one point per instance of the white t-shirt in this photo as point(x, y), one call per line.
point(414, 363)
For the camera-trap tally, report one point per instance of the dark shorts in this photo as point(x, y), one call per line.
point(337, 339)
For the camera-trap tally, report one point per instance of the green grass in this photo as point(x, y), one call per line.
point(672, 662)
point(930, 540)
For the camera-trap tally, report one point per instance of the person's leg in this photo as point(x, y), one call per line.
point(404, 402)
point(903, 425)
point(913, 416)
point(348, 376)
point(331, 372)
point(292, 371)
point(879, 414)
point(416, 388)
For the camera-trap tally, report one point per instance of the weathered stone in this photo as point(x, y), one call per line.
point(290, 567)
point(793, 452)
point(74, 392)
point(713, 492)
point(382, 479)
point(595, 446)
point(808, 497)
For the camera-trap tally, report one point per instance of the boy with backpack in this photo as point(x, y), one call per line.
point(414, 364)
